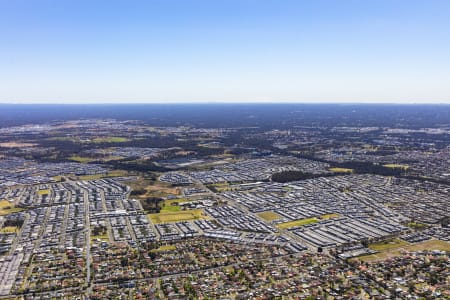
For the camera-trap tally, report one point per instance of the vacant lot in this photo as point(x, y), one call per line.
point(269, 216)
point(404, 246)
point(167, 217)
point(295, 223)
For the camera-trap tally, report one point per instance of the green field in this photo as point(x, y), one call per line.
point(112, 139)
point(187, 215)
point(296, 223)
point(269, 216)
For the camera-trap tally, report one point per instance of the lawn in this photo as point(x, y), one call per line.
point(396, 251)
point(296, 223)
point(269, 216)
point(167, 217)
point(341, 170)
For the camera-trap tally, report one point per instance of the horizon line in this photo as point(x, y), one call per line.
point(229, 102)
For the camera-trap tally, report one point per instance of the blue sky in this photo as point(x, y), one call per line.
point(111, 51)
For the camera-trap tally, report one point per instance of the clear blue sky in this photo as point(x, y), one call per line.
point(224, 50)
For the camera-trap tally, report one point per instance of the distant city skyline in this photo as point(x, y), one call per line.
point(224, 51)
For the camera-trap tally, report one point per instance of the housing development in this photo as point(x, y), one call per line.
point(103, 208)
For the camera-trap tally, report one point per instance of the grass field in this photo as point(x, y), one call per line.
point(341, 170)
point(417, 225)
point(387, 245)
point(170, 208)
point(404, 246)
point(7, 208)
point(269, 216)
point(167, 217)
point(113, 173)
point(153, 188)
point(164, 248)
point(295, 223)
point(397, 166)
point(80, 159)
point(112, 139)
point(9, 229)
point(329, 216)
point(171, 205)
point(161, 189)
point(43, 192)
